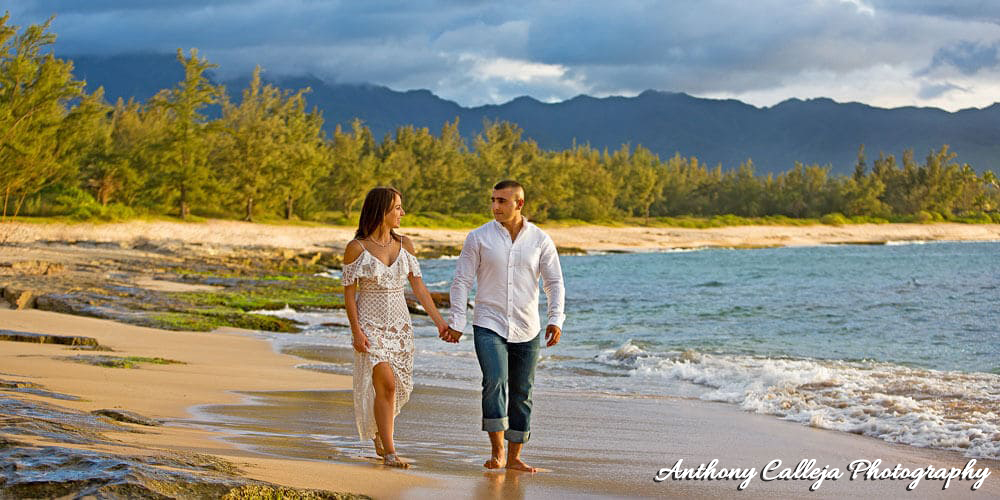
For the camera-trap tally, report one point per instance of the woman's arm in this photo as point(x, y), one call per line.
point(424, 295)
point(358, 338)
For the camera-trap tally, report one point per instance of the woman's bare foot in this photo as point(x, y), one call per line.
point(379, 450)
point(392, 460)
point(518, 464)
point(497, 461)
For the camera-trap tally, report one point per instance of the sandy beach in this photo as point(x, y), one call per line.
point(231, 381)
point(580, 455)
point(215, 365)
point(591, 238)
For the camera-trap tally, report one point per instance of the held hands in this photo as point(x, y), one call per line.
point(444, 333)
point(552, 334)
point(449, 334)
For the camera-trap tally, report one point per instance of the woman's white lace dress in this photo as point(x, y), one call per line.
point(385, 320)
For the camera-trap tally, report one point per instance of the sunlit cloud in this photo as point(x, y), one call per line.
point(513, 70)
point(880, 52)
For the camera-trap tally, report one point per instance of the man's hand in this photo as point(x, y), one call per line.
point(452, 335)
point(552, 334)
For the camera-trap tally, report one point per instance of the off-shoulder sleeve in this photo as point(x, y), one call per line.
point(413, 264)
point(351, 272)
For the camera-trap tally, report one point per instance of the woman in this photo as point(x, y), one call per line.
point(377, 264)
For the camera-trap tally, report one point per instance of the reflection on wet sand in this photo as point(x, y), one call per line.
point(584, 444)
point(500, 484)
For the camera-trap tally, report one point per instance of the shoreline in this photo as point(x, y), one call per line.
point(230, 367)
point(216, 366)
point(234, 234)
point(439, 432)
point(257, 386)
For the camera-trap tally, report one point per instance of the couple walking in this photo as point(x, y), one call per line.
point(504, 257)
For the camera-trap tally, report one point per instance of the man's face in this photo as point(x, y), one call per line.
point(507, 204)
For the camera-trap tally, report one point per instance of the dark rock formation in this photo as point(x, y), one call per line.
point(29, 471)
point(126, 416)
point(40, 338)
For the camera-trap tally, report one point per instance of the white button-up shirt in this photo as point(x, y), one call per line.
point(506, 273)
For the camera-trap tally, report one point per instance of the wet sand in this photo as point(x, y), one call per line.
point(585, 444)
point(214, 365)
point(295, 427)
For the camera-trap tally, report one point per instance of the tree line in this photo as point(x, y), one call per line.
point(63, 150)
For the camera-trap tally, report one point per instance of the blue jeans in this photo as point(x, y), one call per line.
point(504, 363)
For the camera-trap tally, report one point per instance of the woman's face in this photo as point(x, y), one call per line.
point(395, 214)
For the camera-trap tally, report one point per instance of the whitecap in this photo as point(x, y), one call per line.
point(927, 408)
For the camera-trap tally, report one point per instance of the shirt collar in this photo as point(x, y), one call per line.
point(503, 230)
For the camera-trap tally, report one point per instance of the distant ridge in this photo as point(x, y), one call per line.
point(727, 132)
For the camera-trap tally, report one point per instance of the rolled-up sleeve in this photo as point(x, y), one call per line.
point(465, 275)
point(552, 283)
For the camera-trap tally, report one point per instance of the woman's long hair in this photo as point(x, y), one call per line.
point(377, 203)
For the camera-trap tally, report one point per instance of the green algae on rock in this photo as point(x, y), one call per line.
point(62, 470)
point(120, 362)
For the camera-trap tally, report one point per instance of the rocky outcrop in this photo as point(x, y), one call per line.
point(18, 298)
point(40, 338)
point(64, 470)
point(106, 281)
point(30, 268)
point(442, 300)
point(126, 416)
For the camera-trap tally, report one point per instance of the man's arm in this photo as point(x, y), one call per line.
point(465, 276)
point(555, 292)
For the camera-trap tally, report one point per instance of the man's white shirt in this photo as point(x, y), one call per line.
point(506, 273)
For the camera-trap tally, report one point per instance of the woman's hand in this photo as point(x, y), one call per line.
point(442, 330)
point(360, 342)
point(451, 335)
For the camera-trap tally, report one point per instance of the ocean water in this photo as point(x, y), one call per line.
point(897, 342)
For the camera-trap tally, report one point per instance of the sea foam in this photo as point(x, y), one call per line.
point(926, 408)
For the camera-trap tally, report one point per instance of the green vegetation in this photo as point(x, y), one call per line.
point(67, 153)
point(206, 321)
point(266, 297)
point(122, 362)
point(231, 306)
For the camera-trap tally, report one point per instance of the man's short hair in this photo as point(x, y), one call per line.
point(509, 184)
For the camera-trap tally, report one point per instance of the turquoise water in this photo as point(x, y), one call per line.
point(932, 305)
point(899, 342)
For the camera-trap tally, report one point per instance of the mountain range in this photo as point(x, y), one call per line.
point(717, 132)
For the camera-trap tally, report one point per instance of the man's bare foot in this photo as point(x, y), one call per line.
point(518, 464)
point(392, 460)
point(497, 461)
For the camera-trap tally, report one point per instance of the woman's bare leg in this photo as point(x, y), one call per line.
point(384, 382)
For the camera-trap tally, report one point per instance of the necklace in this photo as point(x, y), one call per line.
point(379, 243)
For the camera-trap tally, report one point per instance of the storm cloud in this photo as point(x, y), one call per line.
point(882, 52)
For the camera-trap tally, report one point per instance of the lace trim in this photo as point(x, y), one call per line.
point(368, 267)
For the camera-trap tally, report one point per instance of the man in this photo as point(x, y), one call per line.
point(506, 256)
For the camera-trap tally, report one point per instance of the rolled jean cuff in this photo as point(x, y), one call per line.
point(495, 424)
point(516, 436)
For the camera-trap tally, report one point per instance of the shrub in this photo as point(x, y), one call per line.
point(834, 219)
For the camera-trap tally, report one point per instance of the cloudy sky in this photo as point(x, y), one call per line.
point(882, 52)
